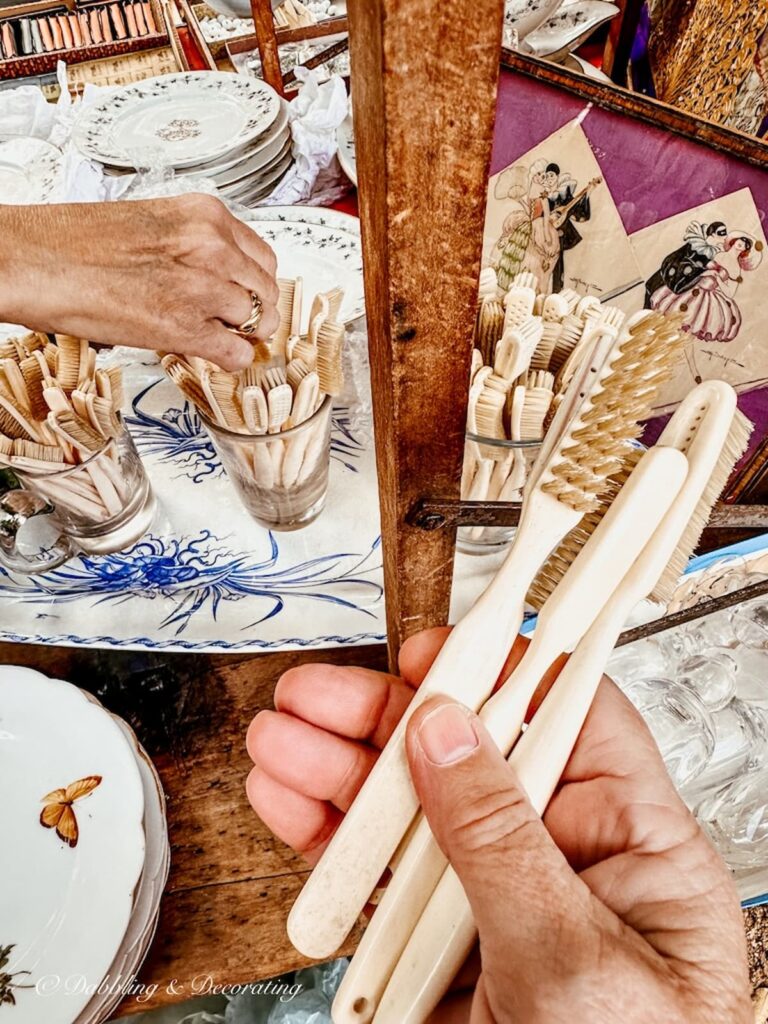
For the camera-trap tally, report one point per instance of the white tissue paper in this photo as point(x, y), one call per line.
point(315, 178)
point(25, 112)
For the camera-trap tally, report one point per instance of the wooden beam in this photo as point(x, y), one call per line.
point(424, 77)
point(266, 41)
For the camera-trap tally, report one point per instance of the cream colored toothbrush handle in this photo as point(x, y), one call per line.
point(466, 669)
point(420, 869)
point(601, 588)
point(446, 931)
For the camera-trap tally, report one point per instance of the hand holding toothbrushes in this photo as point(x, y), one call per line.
point(612, 526)
point(614, 908)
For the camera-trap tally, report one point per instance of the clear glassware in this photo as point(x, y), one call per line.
point(736, 818)
point(751, 675)
point(712, 676)
point(740, 746)
point(641, 660)
point(697, 637)
point(494, 470)
point(282, 479)
point(750, 623)
point(680, 723)
point(105, 504)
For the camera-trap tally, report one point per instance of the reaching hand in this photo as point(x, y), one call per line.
point(164, 274)
point(615, 908)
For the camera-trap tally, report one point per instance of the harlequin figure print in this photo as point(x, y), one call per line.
point(701, 280)
point(541, 225)
point(681, 269)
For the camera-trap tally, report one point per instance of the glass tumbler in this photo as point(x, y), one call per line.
point(736, 818)
point(282, 479)
point(103, 505)
point(494, 470)
point(681, 725)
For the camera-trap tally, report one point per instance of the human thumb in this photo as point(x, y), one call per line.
point(526, 900)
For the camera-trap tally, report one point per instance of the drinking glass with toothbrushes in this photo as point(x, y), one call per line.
point(527, 347)
point(271, 423)
point(62, 436)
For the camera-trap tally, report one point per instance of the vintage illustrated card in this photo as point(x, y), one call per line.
point(708, 265)
point(552, 214)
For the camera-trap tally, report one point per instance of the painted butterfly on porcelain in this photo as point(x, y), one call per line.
point(59, 812)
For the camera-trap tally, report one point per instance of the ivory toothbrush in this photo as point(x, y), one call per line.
point(611, 392)
point(607, 556)
point(711, 434)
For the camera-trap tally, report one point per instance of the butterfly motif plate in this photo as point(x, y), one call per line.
point(176, 120)
point(146, 907)
point(73, 801)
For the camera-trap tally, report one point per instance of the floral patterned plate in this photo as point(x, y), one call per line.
point(73, 803)
point(523, 16)
point(345, 137)
point(569, 28)
point(322, 246)
point(30, 171)
point(176, 120)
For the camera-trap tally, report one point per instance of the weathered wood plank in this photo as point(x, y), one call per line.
point(424, 83)
point(266, 41)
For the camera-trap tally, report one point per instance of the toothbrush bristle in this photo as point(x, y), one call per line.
point(734, 447)
point(565, 553)
point(592, 452)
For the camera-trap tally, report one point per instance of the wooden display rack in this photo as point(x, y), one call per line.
point(424, 77)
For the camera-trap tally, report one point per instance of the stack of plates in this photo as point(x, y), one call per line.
point(82, 877)
point(226, 127)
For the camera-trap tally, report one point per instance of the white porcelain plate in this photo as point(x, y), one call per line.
point(318, 245)
point(256, 180)
point(526, 15)
point(64, 906)
point(257, 165)
point(30, 171)
point(179, 120)
point(146, 907)
point(569, 28)
point(255, 154)
point(345, 137)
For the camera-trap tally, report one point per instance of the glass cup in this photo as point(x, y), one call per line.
point(105, 504)
point(696, 637)
point(282, 479)
point(740, 746)
point(640, 660)
point(750, 623)
point(736, 818)
point(712, 676)
point(494, 470)
point(680, 724)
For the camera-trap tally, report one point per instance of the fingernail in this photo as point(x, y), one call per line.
point(446, 735)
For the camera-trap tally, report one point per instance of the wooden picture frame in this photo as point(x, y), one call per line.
point(641, 108)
